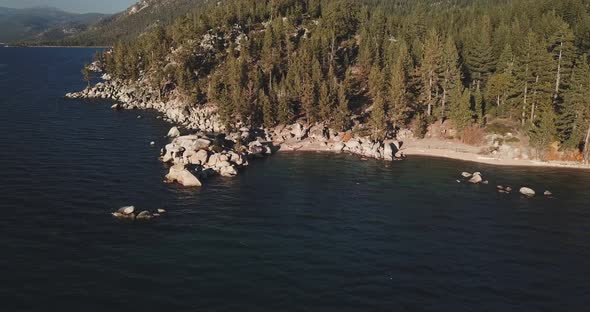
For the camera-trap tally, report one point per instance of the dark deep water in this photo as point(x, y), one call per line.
point(296, 232)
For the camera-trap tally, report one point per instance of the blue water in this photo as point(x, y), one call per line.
point(295, 232)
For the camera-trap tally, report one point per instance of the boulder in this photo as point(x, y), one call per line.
point(353, 144)
point(127, 210)
point(548, 193)
point(144, 215)
point(120, 215)
point(466, 175)
point(476, 179)
point(178, 173)
point(256, 150)
point(388, 151)
point(299, 131)
point(338, 147)
point(199, 158)
point(527, 191)
point(161, 211)
point(174, 132)
point(228, 171)
point(202, 143)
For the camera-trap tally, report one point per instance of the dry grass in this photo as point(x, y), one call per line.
point(473, 135)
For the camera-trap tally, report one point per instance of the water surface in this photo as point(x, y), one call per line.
point(295, 232)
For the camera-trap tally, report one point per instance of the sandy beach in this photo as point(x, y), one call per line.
point(460, 151)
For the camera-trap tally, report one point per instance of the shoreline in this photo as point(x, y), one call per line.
point(301, 137)
point(423, 148)
point(56, 47)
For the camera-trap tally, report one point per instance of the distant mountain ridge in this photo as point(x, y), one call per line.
point(137, 19)
point(40, 24)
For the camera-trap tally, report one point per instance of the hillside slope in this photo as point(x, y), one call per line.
point(42, 24)
point(136, 20)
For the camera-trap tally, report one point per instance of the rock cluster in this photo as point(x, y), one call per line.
point(199, 156)
point(140, 96)
point(477, 178)
point(473, 178)
point(128, 212)
point(320, 137)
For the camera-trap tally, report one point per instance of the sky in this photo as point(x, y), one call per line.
point(75, 6)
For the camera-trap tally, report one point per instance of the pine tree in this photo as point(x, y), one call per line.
point(505, 63)
point(376, 81)
point(285, 112)
point(450, 73)
point(398, 92)
point(308, 99)
point(497, 90)
point(325, 102)
point(342, 117)
point(574, 116)
point(461, 113)
point(430, 69)
point(543, 131)
point(268, 111)
point(561, 47)
point(379, 117)
point(479, 55)
point(532, 76)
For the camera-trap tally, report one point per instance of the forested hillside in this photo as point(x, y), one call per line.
point(390, 64)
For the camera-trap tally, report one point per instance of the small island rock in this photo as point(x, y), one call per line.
point(475, 179)
point(127, 210)
point(527, 191)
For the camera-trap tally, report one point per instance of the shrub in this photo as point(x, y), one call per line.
point(499, 128)
point(420, 127)
point(473, 135)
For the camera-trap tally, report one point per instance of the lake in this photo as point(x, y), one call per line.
point(294, 232)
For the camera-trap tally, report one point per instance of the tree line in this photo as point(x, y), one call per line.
point(391, 64)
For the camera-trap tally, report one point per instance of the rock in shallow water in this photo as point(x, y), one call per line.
point(179, 173)
point(476, 179)
point(527, 191)
point(144, 215)
point(126, 210)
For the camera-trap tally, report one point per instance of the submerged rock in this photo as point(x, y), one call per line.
point(466, 175)
point(548, 193)
point(144, 215)
point(120, 215)
point(527, 191)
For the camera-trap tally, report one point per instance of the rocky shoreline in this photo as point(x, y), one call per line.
point(208, 149)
